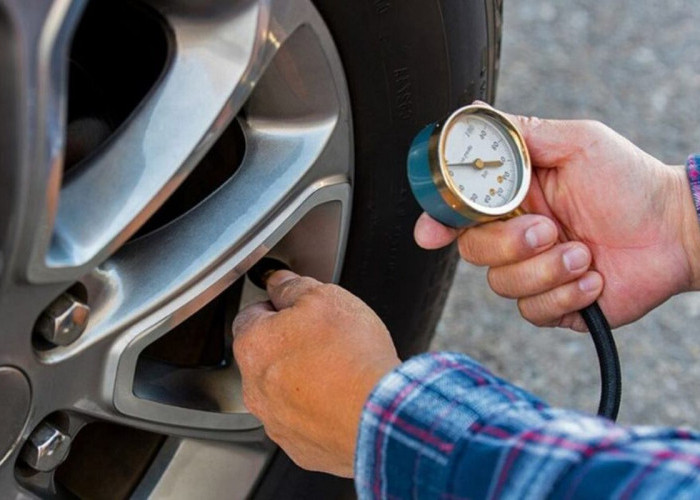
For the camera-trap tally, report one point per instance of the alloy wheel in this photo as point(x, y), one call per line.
point(138, 225)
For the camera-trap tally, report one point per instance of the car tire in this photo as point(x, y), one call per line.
point(407, 63)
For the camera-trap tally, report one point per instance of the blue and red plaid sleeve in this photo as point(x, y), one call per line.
point(692, 169)
point(442, 426)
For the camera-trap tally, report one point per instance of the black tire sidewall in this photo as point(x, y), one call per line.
point(407, 63)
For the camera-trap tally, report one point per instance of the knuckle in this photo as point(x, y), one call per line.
point(241, 323)
point(321, 290)
point(465, 244)
point(566, 299)
point(594, 126)
point(579, 325)
point(532, 122)
point(595, 130)
point(240, 351)
point(252, 404)
point(525, 309)
point(546, 275)
point(590, 124)
point(536, 312)
point(499, 283)
point(287, 288)
point(574, 322)
point(309, 282)
point(470, 249)
point(243, 344)
point(524, 278)
point(249, 353)
point(509, 248)
point(273, 375)
point(297, 287)
point(316, 300)
point(248, 319)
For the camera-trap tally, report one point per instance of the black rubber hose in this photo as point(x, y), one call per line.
point(610, 376)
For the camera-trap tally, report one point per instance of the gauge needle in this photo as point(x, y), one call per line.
point(478, 163)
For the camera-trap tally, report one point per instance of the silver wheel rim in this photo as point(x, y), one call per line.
point(290, 198)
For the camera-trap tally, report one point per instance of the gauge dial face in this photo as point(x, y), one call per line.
point(481, 161)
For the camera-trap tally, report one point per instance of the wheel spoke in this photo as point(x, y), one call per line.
point(217, 60)
point(33, 93)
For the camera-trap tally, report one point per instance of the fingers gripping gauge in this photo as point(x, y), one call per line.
point(474, 167)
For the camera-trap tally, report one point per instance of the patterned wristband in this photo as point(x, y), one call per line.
point(692, 168)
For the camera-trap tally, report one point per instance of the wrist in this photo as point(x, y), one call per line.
point(365, 381)
point(687, 192)
point(369, 377)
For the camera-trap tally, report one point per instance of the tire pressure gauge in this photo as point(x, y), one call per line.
point(472, 168)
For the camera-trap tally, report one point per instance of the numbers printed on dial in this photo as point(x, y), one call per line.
point(484, 167)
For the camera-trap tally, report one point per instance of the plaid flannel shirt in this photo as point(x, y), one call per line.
point(692, 170)
point(442, 426)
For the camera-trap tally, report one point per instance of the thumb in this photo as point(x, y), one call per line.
point(285, 287)
point(552, 143)
point(430, 234)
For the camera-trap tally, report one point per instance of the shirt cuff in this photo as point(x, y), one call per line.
point(692, 169)
point(415, 418)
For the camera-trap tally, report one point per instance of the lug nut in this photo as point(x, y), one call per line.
point(64, 320)
point(46, 448)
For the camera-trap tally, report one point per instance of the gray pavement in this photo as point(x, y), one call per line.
point(635, 65)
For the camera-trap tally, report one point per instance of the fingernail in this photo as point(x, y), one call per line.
point(540, 234)
point(575, 259)
point(279, 277)
point(590, 283)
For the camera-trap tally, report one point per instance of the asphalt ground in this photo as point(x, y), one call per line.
point(634, 65)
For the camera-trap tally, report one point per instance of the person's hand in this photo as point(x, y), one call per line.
point(308, 360)
point(632, 232)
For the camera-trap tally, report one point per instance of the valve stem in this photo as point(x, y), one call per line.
point(266, 267)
